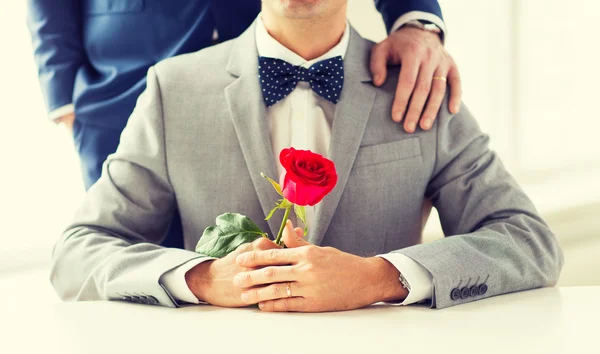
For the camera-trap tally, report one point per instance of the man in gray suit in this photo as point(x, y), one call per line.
point(210, 122)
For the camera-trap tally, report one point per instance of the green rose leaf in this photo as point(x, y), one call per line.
point(280, 204)
point(301, 214)
point(275, 184)
point(272, 212)
point(231, 231)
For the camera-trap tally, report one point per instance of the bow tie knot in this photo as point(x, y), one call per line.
point(302, 73)
point(279, 78)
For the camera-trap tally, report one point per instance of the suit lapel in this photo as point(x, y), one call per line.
point(351, 116)
point(248, 113)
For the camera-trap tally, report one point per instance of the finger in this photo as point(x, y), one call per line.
point(258, 244)
point(270, 292)
point(436, 97)
point(291, 238)
point(407, 79)
point(243, 248)
point(378, 65)
point(269, 257)
point(455, 90)
point(263, 244)
point(293, 304)
point(299, 232)
point(267, 275)
point(419, 97)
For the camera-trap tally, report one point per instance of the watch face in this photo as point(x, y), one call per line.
point(432, 28)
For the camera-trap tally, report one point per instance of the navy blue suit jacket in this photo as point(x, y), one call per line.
point(95, 53)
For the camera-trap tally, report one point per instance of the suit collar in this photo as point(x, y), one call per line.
point(243, 59)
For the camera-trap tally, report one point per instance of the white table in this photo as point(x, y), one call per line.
point(552, 320)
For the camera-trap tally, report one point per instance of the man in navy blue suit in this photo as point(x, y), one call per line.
point(93, 56)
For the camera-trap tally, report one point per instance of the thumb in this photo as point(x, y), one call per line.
point(293, 237)
point(378, 64)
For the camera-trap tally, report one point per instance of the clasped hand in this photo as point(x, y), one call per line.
point(319, 278)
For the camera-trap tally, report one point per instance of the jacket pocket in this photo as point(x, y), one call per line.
point(388, 152)
point(106, 7)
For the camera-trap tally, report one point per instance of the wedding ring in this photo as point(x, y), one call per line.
point(288, 289)
point(439, 78)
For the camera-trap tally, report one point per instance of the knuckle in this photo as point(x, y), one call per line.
point(436, 95)
point(247, 278)
point(310, 251)
point(261, 243)
point(423, 88)
point(271, 255)
point(408, 83)
point(309, 269)
point(382, 46)
point(415, 47)
point(400, 106)
point(285, 304)
point(275, 291)
point(244, 248)
point(251, 257)
point(269, 306)
point(269, 272)
point(428, 54)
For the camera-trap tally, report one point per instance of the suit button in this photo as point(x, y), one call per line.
point(474, 290)
point(136, 299)
point(144, 299)
point(465, 292)
point(126, 298)
point(455, 294)
point(483, 289)
point(152, 300)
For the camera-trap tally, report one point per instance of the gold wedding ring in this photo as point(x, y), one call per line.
point(288, 289)
point(439, 78)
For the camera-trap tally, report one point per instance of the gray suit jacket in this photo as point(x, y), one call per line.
point(198, 140)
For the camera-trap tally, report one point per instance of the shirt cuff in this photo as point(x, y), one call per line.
point(61, 111)
point(174, 282)
point(418, 278)
point(419, 15)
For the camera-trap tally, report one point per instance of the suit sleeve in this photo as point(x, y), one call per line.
point(55, 28)
point(495, 240)
point(111, 251)
point(392, 10)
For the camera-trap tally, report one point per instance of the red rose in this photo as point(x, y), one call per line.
point(308, 177)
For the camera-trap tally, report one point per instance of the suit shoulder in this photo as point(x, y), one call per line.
point(207, 61)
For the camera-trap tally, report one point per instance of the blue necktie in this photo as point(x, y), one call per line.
point(279, 78)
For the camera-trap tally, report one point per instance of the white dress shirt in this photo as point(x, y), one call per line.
point(303, 120)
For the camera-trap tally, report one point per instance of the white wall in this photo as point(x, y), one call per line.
point(39, 176)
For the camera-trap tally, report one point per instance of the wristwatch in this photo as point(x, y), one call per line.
point(424, 25)
point(404, 282)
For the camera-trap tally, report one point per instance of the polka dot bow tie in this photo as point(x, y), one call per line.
point(279, 78)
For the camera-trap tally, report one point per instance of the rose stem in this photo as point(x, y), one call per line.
point(285, 217)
